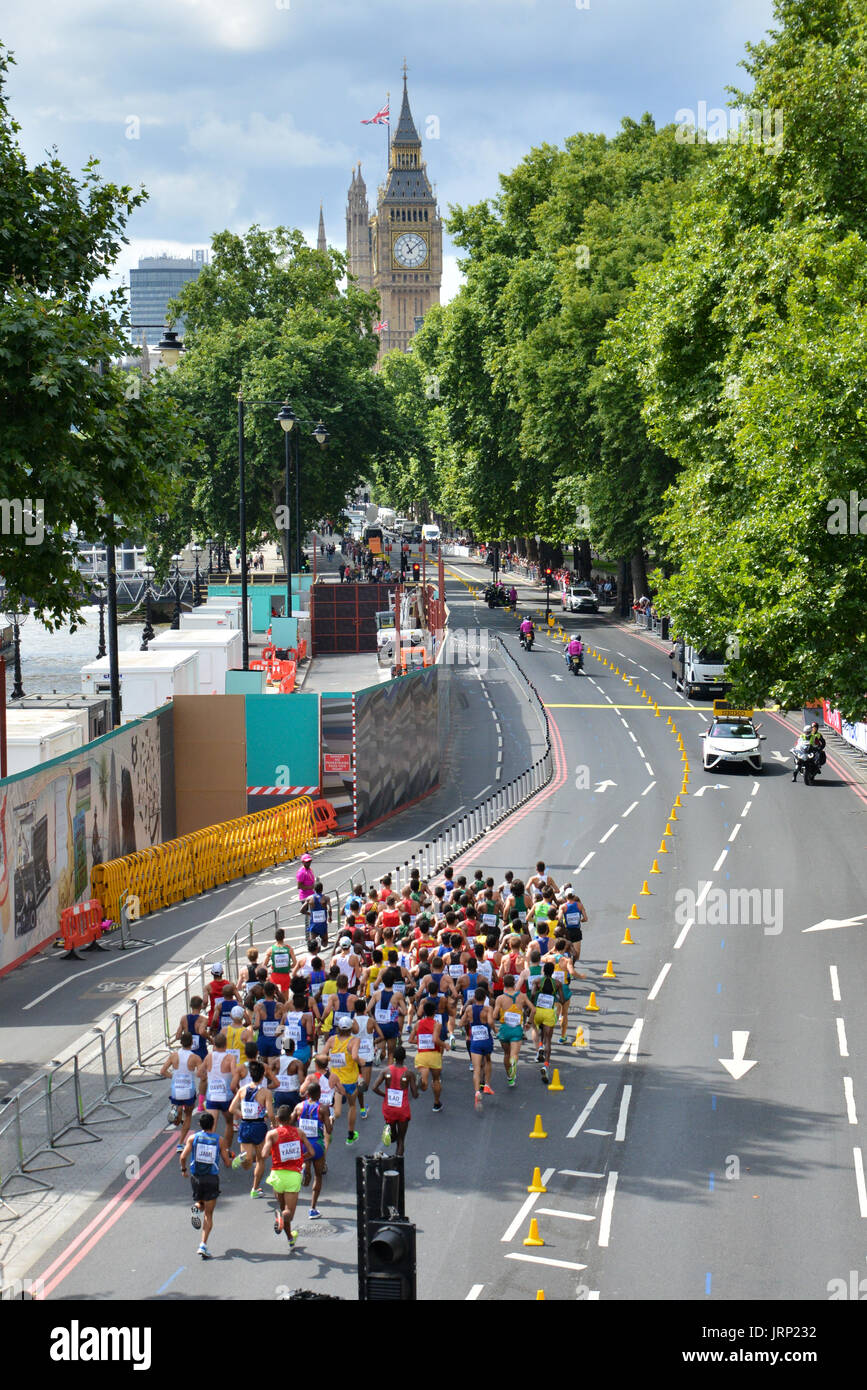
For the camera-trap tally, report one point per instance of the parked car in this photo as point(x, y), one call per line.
point(580, 598)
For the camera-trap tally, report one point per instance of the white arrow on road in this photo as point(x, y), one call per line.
point(556, 678)
point(600, 786)
point(780, 757)
point(735, 1065)
point(712, 787)
point(831, 922)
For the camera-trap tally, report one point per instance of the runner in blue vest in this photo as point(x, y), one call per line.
point(203, 1151)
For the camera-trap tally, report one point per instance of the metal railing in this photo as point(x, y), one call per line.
point(68, 1102)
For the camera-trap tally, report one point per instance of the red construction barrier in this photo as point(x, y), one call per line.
point(287, 683)
point(81, 926)
point(302, 649)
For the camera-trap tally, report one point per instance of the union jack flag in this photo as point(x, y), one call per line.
point(381, 117)
point(381, 326)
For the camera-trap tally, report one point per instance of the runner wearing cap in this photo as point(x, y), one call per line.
point(342, 1053)
point(305, 878)
point(287, 1148)
point(215, 991)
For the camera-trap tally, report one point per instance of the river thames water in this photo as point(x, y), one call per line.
point(51, 662)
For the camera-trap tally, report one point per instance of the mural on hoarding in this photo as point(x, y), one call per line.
point(58, 820)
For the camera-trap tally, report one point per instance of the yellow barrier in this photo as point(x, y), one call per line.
point(187, 866)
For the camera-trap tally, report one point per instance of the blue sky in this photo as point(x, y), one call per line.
point(249, 110)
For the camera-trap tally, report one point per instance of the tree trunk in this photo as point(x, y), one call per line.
point(532, 551)
point(639, 574)
point(624, 588)
point(582, 561)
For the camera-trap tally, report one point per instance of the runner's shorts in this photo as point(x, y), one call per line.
point(284, 1180)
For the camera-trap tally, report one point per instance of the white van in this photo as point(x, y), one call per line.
point(430, 534)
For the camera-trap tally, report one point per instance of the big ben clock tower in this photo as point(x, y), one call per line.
point(406, 238)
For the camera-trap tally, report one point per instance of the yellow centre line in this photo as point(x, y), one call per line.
point(683, 709)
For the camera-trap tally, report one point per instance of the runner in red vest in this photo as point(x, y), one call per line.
point(287, 1148)
point(395, 1084)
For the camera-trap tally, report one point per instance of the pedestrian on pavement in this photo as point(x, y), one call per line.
point(305, 878)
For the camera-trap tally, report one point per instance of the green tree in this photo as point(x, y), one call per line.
point(75, 437)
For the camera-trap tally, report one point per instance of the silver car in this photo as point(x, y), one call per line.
point(580, 598)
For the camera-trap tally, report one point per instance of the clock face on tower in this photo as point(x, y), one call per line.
point(410, 250)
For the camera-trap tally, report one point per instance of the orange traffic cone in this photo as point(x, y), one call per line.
point(537, 1131)
point(663, 848)
point(677, 801)
point(673, 815)
point(537, 1185)
point(534, 1238)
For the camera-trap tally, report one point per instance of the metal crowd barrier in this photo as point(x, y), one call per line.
point(65, 1105)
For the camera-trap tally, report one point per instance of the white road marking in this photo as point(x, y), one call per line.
point(642, 668)
point(527, 1207)
point(720, 861)
point(482, 792)
point(625, 657)
point(704, 892)
point(734, 833)
point(623, 722)
point(835, 984)
point(746, 807)
point(629, 809)
point(649, 768)
point(630, 1042)
point(585, 1113)
point(680, 940)
point(569, 1215)
point(655, 676)
point(620, 1134)
point(607, 1209)
point(608, 833)
point(647, 789)
point(640, 751)
point(755, 789)
point(659, 982)
point(593, 1294)
point(859, 1179)
point(474, 1293)
point(841, 1038)
point(849, 1093)
point(576, 1173)
point(584, 862)
point(632, 736)
point(541, 1260)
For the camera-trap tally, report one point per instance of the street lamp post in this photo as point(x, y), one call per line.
point(286, 419)
point(197, 594)
point(210, 557)
point(113, 657)
point(18, 616)
point(99, 590)
point(148, 632)
point(176, 615)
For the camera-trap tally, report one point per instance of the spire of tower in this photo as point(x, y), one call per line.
point(321, 244)
point(406, 133)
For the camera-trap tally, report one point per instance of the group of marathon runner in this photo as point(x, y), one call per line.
point(291, 1046)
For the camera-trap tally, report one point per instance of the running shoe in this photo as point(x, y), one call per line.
point(540, 1055)
point(546, 1080)
point(486, 1090)
point(293, 1236)
point(452, 1043)
point(313, 1214)
point(278, 1223)
point(478, 1100)
point(236, 1163)
point(256, 1192)
point(353, 1137)
point(438, 1107)
point(196, 1217)
point(205, 1252)
point(386, 1135)
point(362, 1112)
point(513, 1073)
point(564, 1040)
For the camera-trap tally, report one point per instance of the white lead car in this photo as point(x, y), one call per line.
point(732, 738)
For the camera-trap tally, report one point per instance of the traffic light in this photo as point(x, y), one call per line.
point(416, 572)
point(386, 1239)
point(549, 578)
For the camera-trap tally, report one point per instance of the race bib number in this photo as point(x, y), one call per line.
point(544, 1001)
point(395, 1098)
point(512, 1019)
point(206, 1153)
point(338, 1059)
point(366, 1048)
point(382, 1015)
point(290, 1150)
point(280, 962)
point(219, 1085)
point(490, 919)
point(309, 1127)
point(559, 975)
point(293, 1028)
point(426, 1042)
point(456, 971)
point(318, 916)
point(486, 969)
point(249, 1110)
point(479, 1032)
point(270, 1028)
point(183, 1087)
point(399, 987)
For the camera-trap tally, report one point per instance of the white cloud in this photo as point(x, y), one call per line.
point(261, 140)
point(452, 279)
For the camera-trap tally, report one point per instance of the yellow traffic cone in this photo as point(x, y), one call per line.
point(683, 790)
point(580, 1040)
point(673, 815)
point(537, 1185)
point(627, 938)
point(668, 721)
point(645, 891)
point(668, 829)
point(633, 916)
point(540, 1295)
point(677, 801)
point(654, 868)
point(591, 1006)
point(609, 971)
point(534, 1238)
point(556, 1084)
point(537, 1131)
point(617, 670)
point(657, 712)
point(663, 848)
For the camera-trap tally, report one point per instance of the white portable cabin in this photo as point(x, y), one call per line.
point(37, 736)
point(219, 650)
point(147, 679)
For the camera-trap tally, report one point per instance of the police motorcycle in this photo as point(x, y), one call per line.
point(807, 759)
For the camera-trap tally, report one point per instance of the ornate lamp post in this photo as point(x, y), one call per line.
point(197, 583)
point(100, 592)
point(148, 633)
point(17, 616)
point(176, 615)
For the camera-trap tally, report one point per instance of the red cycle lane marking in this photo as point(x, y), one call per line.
point(120, 1202)
point(560, 775)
